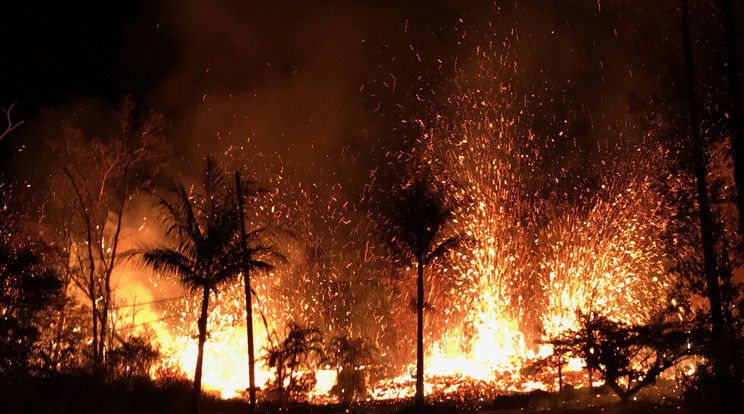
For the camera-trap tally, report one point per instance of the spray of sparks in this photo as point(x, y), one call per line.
point(546, 243)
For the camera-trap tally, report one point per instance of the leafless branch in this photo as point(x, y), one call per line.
point(11, 126)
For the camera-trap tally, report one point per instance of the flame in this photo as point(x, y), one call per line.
point(225, 361)
point(542, 251)
point(546, 244)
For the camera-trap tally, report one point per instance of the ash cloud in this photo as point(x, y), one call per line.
point(303, 79)
point(284, 76)
point(326, 84)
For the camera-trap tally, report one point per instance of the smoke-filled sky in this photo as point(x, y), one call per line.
point(325, 85)
point(324, 93)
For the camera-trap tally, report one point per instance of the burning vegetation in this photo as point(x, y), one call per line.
point(534, 261)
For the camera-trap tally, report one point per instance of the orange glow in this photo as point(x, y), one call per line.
point(538, 255)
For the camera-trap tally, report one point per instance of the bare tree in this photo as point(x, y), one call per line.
point(95, 181)
point(11, 126)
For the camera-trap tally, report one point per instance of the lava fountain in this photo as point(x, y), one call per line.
point(547, 242)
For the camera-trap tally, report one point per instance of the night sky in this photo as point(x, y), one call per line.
point(292, 70)
point(58, 50)
point(323, 84)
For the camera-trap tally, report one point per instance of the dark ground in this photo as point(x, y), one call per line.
point(85, 394)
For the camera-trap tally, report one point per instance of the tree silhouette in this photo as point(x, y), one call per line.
point(28, 288)
point(301, 349)
point(350, 356)
point(628, 357)
point(707, 234)
point(206, 252)
point(417, 218)
point(92, 185)
point(736, 97)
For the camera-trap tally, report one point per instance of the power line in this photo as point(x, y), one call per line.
point(149, 322)
point(147, 303)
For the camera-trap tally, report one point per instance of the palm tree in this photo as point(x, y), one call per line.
point(206, 252)
point(418, 217)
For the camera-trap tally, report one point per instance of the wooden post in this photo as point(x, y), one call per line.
point(248, 297)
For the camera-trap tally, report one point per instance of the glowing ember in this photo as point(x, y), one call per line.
point(547, 241)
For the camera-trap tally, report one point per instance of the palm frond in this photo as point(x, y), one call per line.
point(418, 214)
point(213, 183)
point(168, 261)
point(204, 225)
point(452, 243)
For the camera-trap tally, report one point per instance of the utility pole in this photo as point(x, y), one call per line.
point(248, 298)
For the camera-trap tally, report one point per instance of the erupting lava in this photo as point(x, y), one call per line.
point(546, 242)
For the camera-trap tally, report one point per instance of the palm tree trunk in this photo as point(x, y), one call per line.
point(248, 301)
point(419, 401)
point(251, 352)
point(196, 391)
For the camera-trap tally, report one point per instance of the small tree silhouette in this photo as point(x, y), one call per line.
point(350, 356)
point(132, 360)
point(294, 360)
point(28, 287)
point(628, 357)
